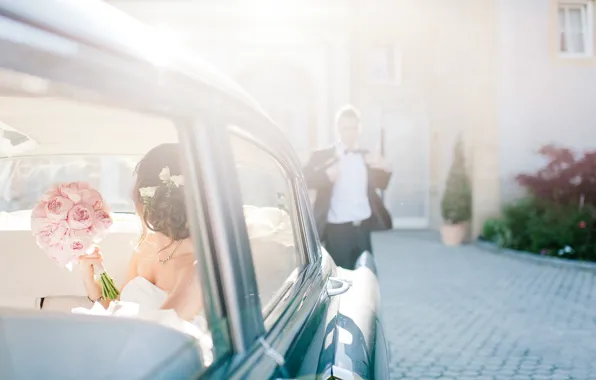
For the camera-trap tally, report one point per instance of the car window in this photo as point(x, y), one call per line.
point(23, 180)
point(59, 146)
point(270, 214)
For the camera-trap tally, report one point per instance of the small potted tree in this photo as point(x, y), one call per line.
point(456, 205)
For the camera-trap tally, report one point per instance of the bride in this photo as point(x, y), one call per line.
point(161, 273)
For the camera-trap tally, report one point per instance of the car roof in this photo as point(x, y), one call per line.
point(103, 26)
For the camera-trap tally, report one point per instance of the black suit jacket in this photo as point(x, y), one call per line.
point(316, 179)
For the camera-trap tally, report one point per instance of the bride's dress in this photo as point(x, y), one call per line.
point(142, 299)
point(144, 293)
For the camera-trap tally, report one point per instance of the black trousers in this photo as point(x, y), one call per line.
point(345, 242)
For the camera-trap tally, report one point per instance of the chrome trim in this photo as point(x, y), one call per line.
point(228, 227)
point(269, 351)
point(308, 222)
point(204, 250)
point(337, 373)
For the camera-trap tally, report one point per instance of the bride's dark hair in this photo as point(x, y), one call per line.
point(165, 210)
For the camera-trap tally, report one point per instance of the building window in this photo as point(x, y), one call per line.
point(384, 65)
point(576, 28)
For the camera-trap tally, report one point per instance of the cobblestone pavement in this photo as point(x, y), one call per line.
point(463, 313)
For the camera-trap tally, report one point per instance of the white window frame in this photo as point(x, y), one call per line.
point(587, 10)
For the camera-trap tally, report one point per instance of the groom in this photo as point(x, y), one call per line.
point(346, 179)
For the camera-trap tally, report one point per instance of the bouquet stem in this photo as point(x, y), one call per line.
point(108, 289)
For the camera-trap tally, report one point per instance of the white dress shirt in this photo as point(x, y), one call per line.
point(349, 198)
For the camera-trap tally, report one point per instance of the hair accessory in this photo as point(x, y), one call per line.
point(167, 178)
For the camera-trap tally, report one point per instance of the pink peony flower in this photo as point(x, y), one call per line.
point(39, 212)
point(51, 234)
point(39, 220)
point(54, 191)
point(582, 224)
point(71, 191)
point(103, 221)
point(93, 198)
point(78, 242)
point(59, 255)
point(57, 207)
point(81, 216)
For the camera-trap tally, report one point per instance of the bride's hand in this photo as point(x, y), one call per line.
point(87, 263)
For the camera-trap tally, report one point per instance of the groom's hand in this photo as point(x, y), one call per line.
point(332, 173)
point(376, 161)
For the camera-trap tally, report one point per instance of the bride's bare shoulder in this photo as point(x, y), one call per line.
point(146, 247)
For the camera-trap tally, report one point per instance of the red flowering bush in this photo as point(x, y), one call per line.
point(558, 217)
point(566, 178)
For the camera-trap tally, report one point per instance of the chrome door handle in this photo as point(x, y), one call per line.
point(337, 286)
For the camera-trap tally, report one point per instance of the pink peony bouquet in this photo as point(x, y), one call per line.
point(67, 223)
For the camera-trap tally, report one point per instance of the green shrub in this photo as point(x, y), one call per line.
point(497, 231)
point(560, 226)
point(517, 217)
point(456, 205)
point(546, 228)
point(490, 228)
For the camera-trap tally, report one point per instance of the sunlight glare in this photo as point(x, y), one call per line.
point(165, 45)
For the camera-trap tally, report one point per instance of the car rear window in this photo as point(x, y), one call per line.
point(23, 180)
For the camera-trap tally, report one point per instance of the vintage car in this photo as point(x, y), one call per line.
point(85, 91)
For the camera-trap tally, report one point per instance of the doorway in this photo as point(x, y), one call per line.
point(406, 144)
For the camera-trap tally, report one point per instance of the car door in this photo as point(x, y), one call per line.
point(301, 329)
point(277, 252)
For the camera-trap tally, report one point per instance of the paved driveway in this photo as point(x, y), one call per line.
point(463, 313)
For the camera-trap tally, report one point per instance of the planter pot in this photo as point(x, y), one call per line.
point(454, 234)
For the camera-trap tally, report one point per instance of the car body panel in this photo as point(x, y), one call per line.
point(343, 337)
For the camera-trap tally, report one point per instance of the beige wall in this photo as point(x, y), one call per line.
point(544, 98)
point(450, 72)
point(468, 84)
